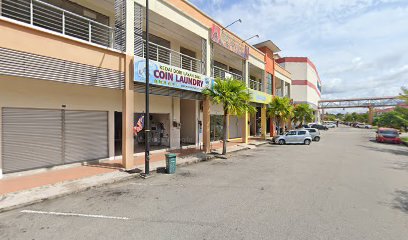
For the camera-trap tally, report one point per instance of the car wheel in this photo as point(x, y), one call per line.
point(281, 142)
point(307, 142)
point(316, 139)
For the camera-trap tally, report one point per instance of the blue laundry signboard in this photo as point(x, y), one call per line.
point(169, 76)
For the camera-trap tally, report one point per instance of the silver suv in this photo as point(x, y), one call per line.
point(315, 133)
point(294, 136)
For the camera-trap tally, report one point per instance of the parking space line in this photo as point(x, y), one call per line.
point(74, 215)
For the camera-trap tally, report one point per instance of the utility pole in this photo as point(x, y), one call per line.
point(147, 117)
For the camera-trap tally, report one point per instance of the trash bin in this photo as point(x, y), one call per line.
point(171, 163)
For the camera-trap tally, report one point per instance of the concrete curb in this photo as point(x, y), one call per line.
point(24, 198)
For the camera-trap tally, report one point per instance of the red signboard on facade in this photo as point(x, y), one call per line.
point(229, 41)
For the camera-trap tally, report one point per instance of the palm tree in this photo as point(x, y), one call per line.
point(303, 113)
point(281, 110)
point(234, 96)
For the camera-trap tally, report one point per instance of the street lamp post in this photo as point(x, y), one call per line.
point(147, 92)
point(255, 36)
point(229, 25)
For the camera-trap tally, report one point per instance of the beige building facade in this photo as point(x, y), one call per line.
point(72, 80)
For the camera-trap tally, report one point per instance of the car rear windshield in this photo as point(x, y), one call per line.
point(388, 132)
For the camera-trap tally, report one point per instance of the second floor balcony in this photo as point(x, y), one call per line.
point(171, 57)
point(44, 15)
point(256, 85)
point(224, 74)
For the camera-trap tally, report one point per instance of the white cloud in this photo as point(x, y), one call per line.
point(359, 46)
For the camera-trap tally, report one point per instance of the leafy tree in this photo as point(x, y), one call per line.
point(348, 117)
point(392, 119)
point(362, 117)
point(402, 111)
point(281, 110)
point(354, 116)
point(234, 96)
point(404, 94)
point(302, 113)
point(329, 117)
point(340, 116)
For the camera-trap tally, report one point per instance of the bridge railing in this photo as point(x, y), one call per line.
point(360, 102)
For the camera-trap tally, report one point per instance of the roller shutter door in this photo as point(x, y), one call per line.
point(31, 138)
point(35, 138)
point(86, 135)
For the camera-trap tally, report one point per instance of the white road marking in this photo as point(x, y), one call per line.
point(156, 184)
point(75, 215)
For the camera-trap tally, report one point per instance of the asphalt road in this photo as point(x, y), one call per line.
point(344, 187)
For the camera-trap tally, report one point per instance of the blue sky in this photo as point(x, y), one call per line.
point(360, 47)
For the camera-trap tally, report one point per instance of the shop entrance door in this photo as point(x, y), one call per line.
point(216, 123)
point(189, 122)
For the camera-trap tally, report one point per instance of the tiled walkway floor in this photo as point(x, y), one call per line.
point(15, 184)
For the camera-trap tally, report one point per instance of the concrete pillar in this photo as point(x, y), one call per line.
point(323, 117)
point(283, 88)
point(130, 23)
point(128, 115)
point(206, 125)
point(272, 124)
point(288, 90)
point(263, 121)
point(175, 117)
point(245, 128)
point(128, 92)
point(264, 81)
point(245, 117)
point(371, 111)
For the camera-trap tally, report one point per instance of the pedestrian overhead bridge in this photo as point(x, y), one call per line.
point(370, 103)
point(360, 102)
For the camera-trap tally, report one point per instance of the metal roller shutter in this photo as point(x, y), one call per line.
point(35, 138)
point(31, 138)
point(86, 135)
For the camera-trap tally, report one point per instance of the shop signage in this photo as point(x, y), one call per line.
point(169, 76)
point(229, 41)
point(260, 97)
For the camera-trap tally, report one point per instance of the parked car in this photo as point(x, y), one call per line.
point(294, 136)
point(388, 135)
point(319, 126)
point(302, 126)
point(315, 133)
point(363, 125)
point(354, 124)
point(329, 125)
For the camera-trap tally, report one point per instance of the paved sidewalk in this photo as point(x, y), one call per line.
point(27, 189)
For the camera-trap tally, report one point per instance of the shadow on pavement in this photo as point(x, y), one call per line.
point(381, 148)
point(401, 165)
point(401, 201)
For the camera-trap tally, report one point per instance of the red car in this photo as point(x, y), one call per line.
point(388, 135)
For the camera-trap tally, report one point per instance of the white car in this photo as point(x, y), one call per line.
point(330, 125)
point(294, 136)
point(362, 125)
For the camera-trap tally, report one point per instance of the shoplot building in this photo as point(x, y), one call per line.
point(306, 83)
point(72, 80)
